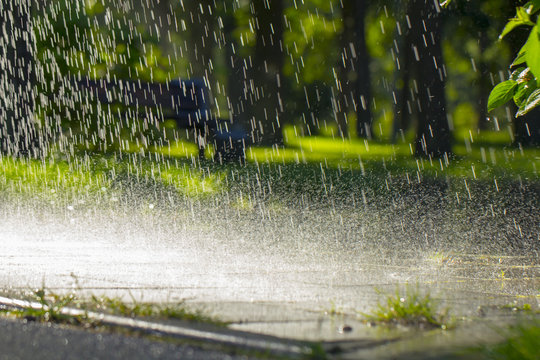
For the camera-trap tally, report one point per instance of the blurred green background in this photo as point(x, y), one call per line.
point(311, 80)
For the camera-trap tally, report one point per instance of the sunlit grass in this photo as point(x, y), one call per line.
point(177, 165)
point(502, 138)
point(50, 310)
point(193, 183)
point(185, 178)
point(49, 178)
point(522, 342)
point(178, 149)
point(326, 151)
point(483, 156)
point(117, 306)
point(344, 147)
point(52, 305)
point(409, 309)
point(489, 161)
point(479, 155)
point(521, 308)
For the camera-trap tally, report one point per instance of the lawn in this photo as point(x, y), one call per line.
point(315, 160)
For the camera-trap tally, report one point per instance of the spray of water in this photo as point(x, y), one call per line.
point(142, 221)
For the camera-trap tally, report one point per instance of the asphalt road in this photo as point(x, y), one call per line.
point(33, 341)
point(277, 271)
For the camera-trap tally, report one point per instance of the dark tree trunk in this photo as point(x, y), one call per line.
point(201, 45)
point(237, 81)
point(18, 132)
point(484, 86)
point(433, 137)
point(480, 23)
point(402, 105)
point(266, 73)
point(201, 40)
point(164, 23)
point(354, 68)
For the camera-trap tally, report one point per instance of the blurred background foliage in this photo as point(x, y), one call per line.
point(160, 40)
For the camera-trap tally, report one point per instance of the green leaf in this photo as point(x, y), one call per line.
point(532, 6)
point(515, 74)
point(524, 76)
point(501, 94)
point(522, 18)
point(445, 3)
point(532, 55)
point(532, 101)
point(522, 93)
point(520, 58)
point(510, 25)
point(523, 15)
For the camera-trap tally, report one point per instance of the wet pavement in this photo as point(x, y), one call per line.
point(303, 295)
point(298, 273)
point(31, 340)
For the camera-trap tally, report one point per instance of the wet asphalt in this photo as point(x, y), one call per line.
point(22, 340)
point(290, 272)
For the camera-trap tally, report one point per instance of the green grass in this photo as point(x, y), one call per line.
point(52, 305)
point(51, 308)
point(316, 166)
point(484, 156)
point(334, 310)
point(409, 309)
point(193, 184)
point(108, 178)
point(315, 352)
point(96, 176)
point(522, 343)
point(48, 178)
point(477, 155)
point(488, 155)
point(177, 311)
point(526, 308)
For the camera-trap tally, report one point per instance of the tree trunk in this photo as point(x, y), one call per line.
point(433, 137)
point(484, 83)
point(402, 107)
point(237, 81)
point(18, 133)
point(266, 73)
point(354, 68)
point(201, 27)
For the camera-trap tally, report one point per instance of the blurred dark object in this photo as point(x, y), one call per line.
point(184, 101)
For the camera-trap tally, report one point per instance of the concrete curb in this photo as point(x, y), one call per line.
point(226, 337)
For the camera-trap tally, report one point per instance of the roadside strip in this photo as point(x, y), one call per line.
point(228, 337)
